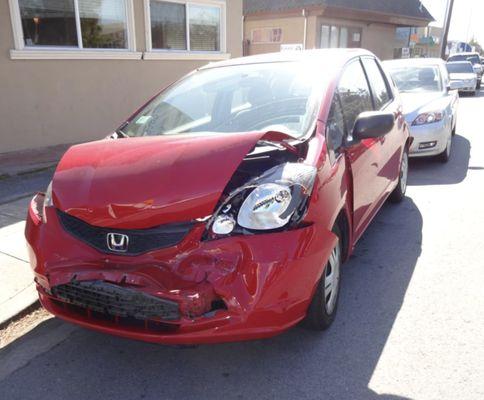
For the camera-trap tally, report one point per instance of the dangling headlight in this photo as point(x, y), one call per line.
point(272, 201)
point(47, 201)
point(48, 196)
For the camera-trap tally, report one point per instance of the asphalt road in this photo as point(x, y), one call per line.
point(410, 323)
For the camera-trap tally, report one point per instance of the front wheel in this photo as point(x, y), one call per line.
point(322, 310)
point(398, 193)
point(445, 155)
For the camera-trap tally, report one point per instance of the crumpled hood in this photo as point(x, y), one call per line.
point(416, 103)
point(137, 183)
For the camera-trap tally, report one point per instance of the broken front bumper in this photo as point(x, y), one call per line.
point(231, 289)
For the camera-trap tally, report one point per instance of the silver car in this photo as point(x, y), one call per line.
point(474, 59)
point(465, 76)
point(430, 102)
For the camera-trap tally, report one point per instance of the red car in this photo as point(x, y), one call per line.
point(223, 209)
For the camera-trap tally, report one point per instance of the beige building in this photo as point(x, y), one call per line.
point(73, 70)
point(271, 25)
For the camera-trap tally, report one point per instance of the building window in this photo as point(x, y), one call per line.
point(339, 36)
point(168, 25)
point(186, 26)
point(65, 29)
point(267, 35)
point(103, 24)
point(89, 24)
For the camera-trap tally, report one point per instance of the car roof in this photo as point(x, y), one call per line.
point(415, 62)
point(337, 58)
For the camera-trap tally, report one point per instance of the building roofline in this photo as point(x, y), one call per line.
point(319, 5)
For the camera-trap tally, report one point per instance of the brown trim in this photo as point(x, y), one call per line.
point(342, 13)
point(294, 12)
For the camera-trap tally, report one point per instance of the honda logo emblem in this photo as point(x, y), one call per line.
point(118, 242)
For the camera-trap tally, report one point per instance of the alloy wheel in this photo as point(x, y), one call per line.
point(404, 173)
point(331, 280)
point(449, 147)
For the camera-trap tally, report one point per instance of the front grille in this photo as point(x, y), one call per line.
point(116, 301)
point(140, 240)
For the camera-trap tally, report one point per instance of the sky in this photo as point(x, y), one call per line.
point(467, 18)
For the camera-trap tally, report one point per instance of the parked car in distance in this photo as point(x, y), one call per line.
point(475, 59)
point(430, 102)
point(464, 75)
point(223, 209)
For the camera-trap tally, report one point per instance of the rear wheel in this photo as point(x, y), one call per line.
point(398, 193)
point(322, 310)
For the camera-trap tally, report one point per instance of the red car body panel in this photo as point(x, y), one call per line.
point(139, 183)
point(266, 280)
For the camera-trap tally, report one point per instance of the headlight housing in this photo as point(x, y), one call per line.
point(429, 118)
point(272, 201)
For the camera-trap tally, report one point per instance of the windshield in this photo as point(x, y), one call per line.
point(462, 57)
point(257, 97)
point(417, 79)
point(460, 68)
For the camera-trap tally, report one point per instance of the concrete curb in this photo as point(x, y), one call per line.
point(32, 170)
point(22, 310)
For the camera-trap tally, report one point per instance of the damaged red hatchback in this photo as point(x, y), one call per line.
point(223, 209)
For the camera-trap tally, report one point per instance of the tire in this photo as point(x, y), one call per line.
point(454, 129)
point(398, 193)
point(323, 307)
point(444, 157)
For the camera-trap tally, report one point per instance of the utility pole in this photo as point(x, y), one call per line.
point(445, 35)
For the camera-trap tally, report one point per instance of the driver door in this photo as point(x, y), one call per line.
point(365, 157)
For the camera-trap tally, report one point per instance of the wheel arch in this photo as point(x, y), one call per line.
point(343, 223)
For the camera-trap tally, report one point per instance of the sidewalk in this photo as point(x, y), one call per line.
point(28, 161)
point(17, 290)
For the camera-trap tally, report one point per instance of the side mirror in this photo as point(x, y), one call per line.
point(456, 85)
point(373, 125)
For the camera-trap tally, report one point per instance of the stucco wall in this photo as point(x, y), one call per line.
point(292, 33)
point(378, 38)
point(48, 102)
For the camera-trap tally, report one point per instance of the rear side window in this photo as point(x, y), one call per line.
point(379, 84)
point(354, 93)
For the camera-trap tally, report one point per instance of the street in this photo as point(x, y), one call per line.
point(409, 326)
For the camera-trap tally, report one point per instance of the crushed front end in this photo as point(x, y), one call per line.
point(178, 282)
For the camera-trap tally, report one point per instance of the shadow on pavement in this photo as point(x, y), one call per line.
point(337, 364)
point(430, 171)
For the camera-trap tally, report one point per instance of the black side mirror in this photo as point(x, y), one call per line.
point(373, 124)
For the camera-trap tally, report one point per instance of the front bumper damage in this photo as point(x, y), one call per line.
point(196, 291)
